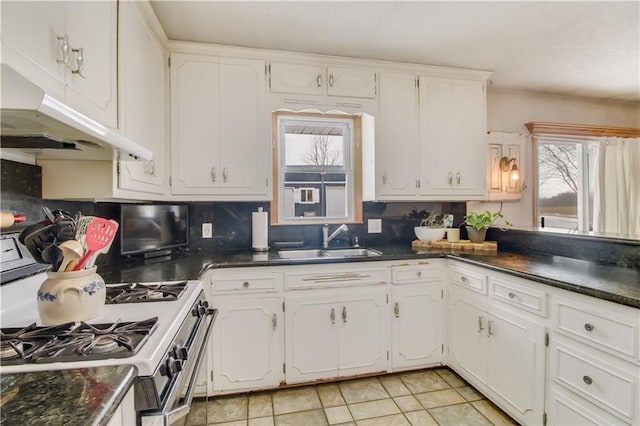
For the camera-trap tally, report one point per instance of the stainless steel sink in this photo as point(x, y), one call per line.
point(353, 252)
point(301, 254)
point(312, 254)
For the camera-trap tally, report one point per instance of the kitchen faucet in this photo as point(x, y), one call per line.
point(326, 237)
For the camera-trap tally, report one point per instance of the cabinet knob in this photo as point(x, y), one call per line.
point(480, 326)
point(213, 174)
point(319, 80)
point(225, 174)
point(384, 178)
point(458, 178)
point(274, 321)
point(589, 327)
point(396, 310)
point(331, 80)
point(245, 284)
point(450, 178)
point(489, 328)
point(588, 380)
point(512, 295)
point(419, 273)
point(464, 279)
point(333, 315)
point(344, 314)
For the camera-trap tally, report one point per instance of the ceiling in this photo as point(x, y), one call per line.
point(587, 49)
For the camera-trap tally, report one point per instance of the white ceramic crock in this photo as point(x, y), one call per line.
point(71, 296)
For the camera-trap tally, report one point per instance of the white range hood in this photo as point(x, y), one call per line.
point(38, 124)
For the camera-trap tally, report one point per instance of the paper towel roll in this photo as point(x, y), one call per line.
point(259, 230)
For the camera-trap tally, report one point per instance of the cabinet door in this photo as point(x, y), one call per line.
point(467, 334)
point(30, 44)
point(417, 326)
point(244, 138)
point(452, 135)
point(311, 337)
point(518, 379)
point(397, 137)
point(195, 162)
point(92, 26)
point(351, 82)
point(246, 343)
point(362, 335)
point(296, 78)
point(141, 99)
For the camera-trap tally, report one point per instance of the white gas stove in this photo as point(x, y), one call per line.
point(161, 328)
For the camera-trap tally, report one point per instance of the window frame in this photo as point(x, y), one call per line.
point(352, 166)
point(580, 132)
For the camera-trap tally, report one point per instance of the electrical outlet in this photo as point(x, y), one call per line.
point(374, 226)
point(207, 230)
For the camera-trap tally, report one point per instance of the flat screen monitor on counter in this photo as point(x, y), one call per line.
point(153, 228)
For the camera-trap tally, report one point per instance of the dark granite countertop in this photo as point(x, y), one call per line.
point(604, 281)
point(81, 396)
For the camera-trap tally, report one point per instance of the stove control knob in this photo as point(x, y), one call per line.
point(180, 352)
point(171, 367)
point(200, 309)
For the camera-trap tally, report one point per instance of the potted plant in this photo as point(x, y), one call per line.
point(478, 223)
point(431, 228)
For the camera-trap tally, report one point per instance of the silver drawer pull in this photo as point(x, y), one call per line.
point(319, 80)
point(512, 295)
point(245, 284)
point(589, 327)
point(333, 315)
point(274, 321)
point(464, 279)
point(419, 273)
point(480, 326)
point(588, 380)
point(396, 310)
point(344, 314)
point(489, 328)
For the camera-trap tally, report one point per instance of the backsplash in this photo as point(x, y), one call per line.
point(21, 192)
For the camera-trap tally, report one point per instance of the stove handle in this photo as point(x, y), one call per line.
point(169, 417)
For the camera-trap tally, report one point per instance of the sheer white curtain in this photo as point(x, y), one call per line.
point(617, 186)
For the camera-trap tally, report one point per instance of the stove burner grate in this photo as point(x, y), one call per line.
point(74, 342)
point(136, 293)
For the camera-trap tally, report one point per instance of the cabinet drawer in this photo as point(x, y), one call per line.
point(336, 278)
point(600, 326)
point(597, 378)
point(521, 296)
point(565, 409)
point(468, 278)
point(405, 274)
point(246, 281)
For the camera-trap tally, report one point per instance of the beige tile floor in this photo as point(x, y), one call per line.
point(423, 397)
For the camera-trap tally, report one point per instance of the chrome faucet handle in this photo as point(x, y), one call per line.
point(356, 242)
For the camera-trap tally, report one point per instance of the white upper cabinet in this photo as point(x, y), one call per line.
point(142, 99)
point(452, 139)
point(430, 138)
point(68, 49)
point(219, 135)
point(397, 137)
point(311, 79)
point(30, 43)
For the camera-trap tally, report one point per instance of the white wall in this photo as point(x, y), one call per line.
point(508, 110)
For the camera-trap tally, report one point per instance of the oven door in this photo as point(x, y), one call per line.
point(181, 393)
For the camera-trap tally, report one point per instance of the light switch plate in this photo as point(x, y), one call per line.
point(374, 226)
point(207, 230)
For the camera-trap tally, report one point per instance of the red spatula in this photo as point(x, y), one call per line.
point(100, 233)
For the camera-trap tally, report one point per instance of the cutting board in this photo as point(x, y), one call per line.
point(462, 245)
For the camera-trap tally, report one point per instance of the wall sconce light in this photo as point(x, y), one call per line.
point(505, 166)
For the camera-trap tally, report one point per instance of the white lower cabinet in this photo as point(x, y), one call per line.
point(336, 332)
point(416, 328)
point(564, 409)
point(246, 342)
point(499, 352)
